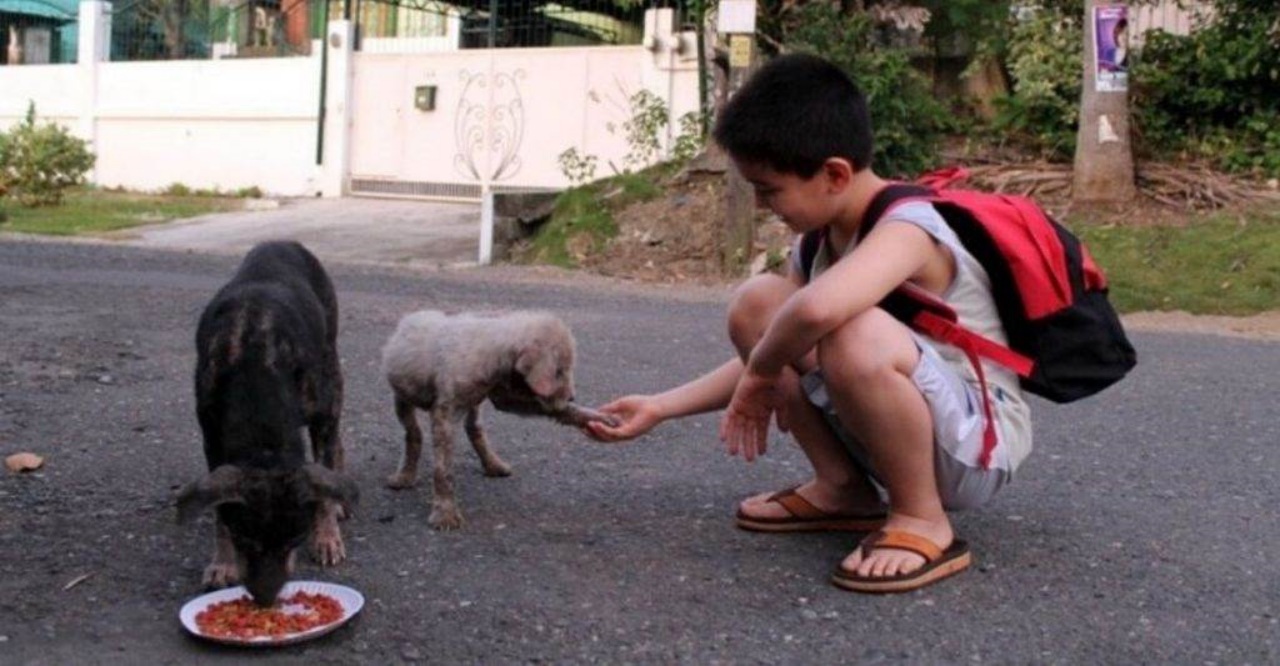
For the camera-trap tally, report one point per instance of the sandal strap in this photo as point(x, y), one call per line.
point(797, 505)
point(899, 540)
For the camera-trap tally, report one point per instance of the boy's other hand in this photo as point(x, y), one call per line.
point(745, 426)
point(635, 414)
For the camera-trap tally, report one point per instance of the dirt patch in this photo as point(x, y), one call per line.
point(1265, 326)
point(673, 239)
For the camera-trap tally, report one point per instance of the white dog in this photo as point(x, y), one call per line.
point(448, 365)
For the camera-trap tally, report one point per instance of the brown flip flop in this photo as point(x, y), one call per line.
point(939, 563)
point(805, 517)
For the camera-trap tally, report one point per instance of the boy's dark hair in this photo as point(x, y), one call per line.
point(794, 114)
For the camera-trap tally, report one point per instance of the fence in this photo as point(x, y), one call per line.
point(46, 31)
point(185, 29)
point(416, 26)
point(38, 32)
point(1179, 18)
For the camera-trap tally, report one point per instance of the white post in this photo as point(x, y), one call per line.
point(94, 47)
point(339, 38)
point(453, 29)
point(486, 225)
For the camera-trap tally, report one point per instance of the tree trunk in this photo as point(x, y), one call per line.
point(984, 86)
point(1104, 154)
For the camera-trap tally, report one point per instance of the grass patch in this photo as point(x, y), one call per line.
point(1220, 264)
point(582, 221)
point(87, 212)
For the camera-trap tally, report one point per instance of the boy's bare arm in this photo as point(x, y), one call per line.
point(890, 255)
point(634, 415)
point(704, 394)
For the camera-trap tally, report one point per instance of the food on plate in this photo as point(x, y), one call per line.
point(243, 619)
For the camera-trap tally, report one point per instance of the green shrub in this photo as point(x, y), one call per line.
point(908, 121)
point(643, 130)
point(1212, 93)
point(577, 167)
point(689, 142)
point(39, 162)
point(1042, 111)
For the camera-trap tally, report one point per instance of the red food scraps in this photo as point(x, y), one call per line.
point(241, 618)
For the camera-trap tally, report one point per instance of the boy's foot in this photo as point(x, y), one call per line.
point(791, 511)
point(906, 555)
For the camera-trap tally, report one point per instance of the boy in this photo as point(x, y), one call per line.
point(891, 421)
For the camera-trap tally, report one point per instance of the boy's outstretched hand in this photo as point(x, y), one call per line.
point(635, 415)
point(745, 426)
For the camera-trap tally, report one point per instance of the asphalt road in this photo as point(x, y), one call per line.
point(1142, 529)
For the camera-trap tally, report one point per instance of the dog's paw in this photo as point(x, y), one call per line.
point(496, 467)
point(402, 480)
point(445, 517)
point(327, 549)
point(219, 575)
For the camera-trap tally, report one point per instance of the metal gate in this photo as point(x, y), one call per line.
point(451, 100)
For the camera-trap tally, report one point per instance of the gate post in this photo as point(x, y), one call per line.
point(486, 225)
point(339, 43)
point(94, 47)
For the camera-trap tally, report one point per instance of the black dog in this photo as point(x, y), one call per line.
point(267, 367)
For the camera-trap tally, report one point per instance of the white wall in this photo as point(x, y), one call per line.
point(51, 87)
point(234, 123)
point(224, 124)
point(212, 124)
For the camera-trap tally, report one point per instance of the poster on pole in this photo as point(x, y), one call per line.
point(736, 16)
point(1111, 48)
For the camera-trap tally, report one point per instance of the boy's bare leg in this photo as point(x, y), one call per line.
point(868, 363)
point(838, 486)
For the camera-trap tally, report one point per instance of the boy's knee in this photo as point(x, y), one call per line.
point(868, 346)
point(753, 304)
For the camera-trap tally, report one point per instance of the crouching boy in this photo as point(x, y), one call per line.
point(896, 425)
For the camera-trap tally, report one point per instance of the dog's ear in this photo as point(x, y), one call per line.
point(221, 486)
point(538, 370)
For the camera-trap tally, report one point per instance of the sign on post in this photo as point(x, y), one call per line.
point(736, 17)
point(1111, 48)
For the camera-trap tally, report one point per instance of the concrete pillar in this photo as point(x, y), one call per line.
point(336, 165)
point(94, 47)
point(670, 68)
point(453, 29)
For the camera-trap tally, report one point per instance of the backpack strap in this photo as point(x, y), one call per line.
point(885, 199)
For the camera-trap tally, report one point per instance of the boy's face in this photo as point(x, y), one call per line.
point(802, 203)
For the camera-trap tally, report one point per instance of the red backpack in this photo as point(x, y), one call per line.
point(1065, 339)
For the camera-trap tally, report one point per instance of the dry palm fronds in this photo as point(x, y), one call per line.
point(1199, 188)
point(1035, 179)
point(1191, 187)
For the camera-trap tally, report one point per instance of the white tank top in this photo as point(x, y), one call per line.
point(970, 296)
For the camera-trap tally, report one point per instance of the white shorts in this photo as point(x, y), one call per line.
point(958, 424)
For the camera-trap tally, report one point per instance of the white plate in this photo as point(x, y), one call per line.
point(351, 601)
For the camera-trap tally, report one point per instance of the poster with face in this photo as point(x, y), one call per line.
point(1111, 47)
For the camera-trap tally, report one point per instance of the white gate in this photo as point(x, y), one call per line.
point(451, 124)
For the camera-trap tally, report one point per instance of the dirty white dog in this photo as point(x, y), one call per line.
point(448, 365)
